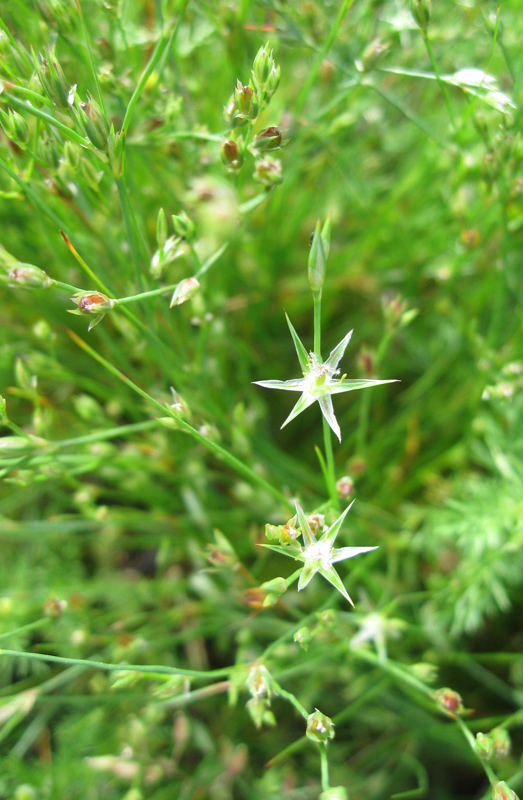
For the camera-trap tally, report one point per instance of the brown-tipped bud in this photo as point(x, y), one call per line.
point(501, 791)
point(246, 101)
point(30, 277)
point(345, 487)
point(268, 139)
point(450, 701)
point(421, 10)
point(317, 523)
point(268, 171)
point(184, 291)
point(232, 154)
point(94, 124)
point(96, 304)
point(288, 534)
point(320, 728)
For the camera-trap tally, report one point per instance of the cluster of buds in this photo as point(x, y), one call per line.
point(15, 128)
point(95, 304)
point(53, 81)
point(243, 109)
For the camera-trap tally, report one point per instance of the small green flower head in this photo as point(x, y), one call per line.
point(268, 171)
point(94, 123)
point(53, 81)
point(184, 291)
point(501, 742)
point(15, 127)
point(184, 227)
point(334, 793)
point(259, 683)
point(320, 728)
point(246, 102)
point(421, 10)
point(232, 152)
point(262, 66)
point(30, 277)
point(484, 746)
point(303, 637)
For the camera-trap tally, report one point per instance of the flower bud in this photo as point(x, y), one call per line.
point(334, 793)
point(303, 636)
point(317, 523)
point(450, 701)
point(115, 151)
point(268, 171)
point(345, 487)
point(317, 262)
point(484, 746)
point(92, 303)
point(161, 229)
point(501, 742)
point(221, 553)
point(53, 81)
point(371, 55)
point(424, 672)
point(246, 101)
point(184, 227)
point(30, 277)
point(15, 445)
point(72, 155)
point(94, 123)
point(259, 682)
point(273, 81)
point(320, 728)
point(276, 586)
point(184, 291)
point(15, 127)
point(262, 65)
point(288, 534)
point(421, 11)
point(500, 791)
point(232, 154)
point(266, 140)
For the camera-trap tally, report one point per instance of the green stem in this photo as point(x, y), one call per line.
point(131, 233)
point(69, 132)
point(324, 767)
point(39, 623)
point(88, 664)
point(318, 61)
point(91, 59)
point(231, 461)
point(441, 84)
point(110, 433)
point(317, 324)
point(291, 698)
point(327, 438)
point(491, 775)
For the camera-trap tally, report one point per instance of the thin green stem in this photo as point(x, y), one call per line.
point(317, 324)
point(88, 664)
point(292, 699)
point(441, 83)
point(324, 767)
point(327, 438)
point(491, 775)
point(70, 134)
point(39, 623)
point(231, 461)
point(91, 59)
point(131, 232)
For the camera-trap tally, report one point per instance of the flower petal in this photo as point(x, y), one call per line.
point(332, 532)
point(352, 385)
point(289, 386)
point(307, 574)
point(328, 412)
point(308, 536)
point(332, 576)
point(303, 356)
point(342, 553)
point(337, 354)
point(304, 402)
point(285, 550)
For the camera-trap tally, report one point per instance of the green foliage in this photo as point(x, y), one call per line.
point(152, 648)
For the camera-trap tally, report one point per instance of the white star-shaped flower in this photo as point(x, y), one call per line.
point(319, 381)
point(319, 555)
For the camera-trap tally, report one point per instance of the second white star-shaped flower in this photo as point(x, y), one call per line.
point(319, 381)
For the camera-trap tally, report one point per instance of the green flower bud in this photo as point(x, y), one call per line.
point(184, 227)
point(372, 54)
point(30, 277)
point(287, 534)
point(501, 742)
point(484, 746)
point(268, 171)
point(277, 586)
point(115, 152)
point(501, 791)
point(262, 65)
point(303, 637)
point(53, 81)
point(334, 793)
point(450, 701)
point(71, 156)
point(345, 487)
point(161, 229)
point(184, 291)
point(246, 101)
point(273, 82)
point(320, 728)
point(232, 154)
point(317, 262)
point(15, 127)
point(421, 11)
point(94, 124)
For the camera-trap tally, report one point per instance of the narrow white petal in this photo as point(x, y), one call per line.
point(308, 536)
point(337, 354)
point(352, 385)
point(289, 386)
point(342, 553)
point(332, 532)
point(304, 402)
point(328, 412)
